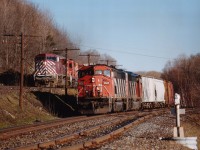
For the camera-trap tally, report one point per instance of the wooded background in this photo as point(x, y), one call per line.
point(20, 16)
point(184, 73)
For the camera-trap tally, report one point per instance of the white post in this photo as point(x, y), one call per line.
point(190, 142)
point(178, 124)
point(178, 130)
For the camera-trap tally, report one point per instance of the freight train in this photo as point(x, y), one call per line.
point(50, 71)
point(105, 89)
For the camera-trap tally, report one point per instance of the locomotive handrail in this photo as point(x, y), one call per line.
point(64, 102)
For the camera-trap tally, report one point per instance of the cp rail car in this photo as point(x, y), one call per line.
point(104, 89)
point(50, 71)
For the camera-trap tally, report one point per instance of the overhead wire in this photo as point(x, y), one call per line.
point(119, 51)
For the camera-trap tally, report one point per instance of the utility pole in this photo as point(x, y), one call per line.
point(21, 68)
point(107, 61)
point(22, 73)
point(66, 56)
point(89, 56)
point(21, 65)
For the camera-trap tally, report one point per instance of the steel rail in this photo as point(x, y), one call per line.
point(14, 131)
point(136, 119)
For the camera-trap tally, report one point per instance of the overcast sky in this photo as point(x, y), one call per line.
point(142, 35)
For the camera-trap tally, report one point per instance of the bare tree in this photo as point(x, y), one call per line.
point(184, 72)
point(19, 16)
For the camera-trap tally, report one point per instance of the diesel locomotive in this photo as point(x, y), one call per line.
point(50, 71)
point(104, 89)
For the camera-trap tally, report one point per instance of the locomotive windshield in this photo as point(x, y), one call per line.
point(51, 58)
point(98, 72)
point(90, 71)
point(106, 73)
point(82, 73)
point(39, 58)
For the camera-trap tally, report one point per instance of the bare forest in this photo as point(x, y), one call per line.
point(184, 73)
point(38, 28)
point(41, 35)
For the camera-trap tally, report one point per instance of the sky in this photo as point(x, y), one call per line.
point(142, 35)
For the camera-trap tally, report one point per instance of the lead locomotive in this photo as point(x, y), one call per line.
point(104, 89)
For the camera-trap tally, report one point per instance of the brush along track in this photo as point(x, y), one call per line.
point(92, 135)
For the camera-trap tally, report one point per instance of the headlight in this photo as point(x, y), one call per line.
point(93, 80)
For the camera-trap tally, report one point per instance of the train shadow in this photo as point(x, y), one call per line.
point(58, 105)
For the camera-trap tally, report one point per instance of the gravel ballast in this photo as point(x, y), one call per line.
point(146, 136)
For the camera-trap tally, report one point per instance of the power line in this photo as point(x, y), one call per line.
point(118, 51)
point(107, 61)
point(89, 56)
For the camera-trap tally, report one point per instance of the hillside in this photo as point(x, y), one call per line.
point(38, 106)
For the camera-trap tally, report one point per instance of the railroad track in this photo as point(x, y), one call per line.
point(86, 132)
point(38, 133)
point(93, 138)
point(15, 131)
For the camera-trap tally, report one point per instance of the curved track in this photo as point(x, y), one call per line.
point(75, 133)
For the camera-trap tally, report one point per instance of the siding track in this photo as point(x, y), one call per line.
point(74, 133)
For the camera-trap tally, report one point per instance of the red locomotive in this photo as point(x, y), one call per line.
point(103, 89)
point(50, 70)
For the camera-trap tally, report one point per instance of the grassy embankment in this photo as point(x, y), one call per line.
point(38, 106)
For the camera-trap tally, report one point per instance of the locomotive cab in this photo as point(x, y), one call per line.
point(45, 66)
point(94, 81)
point(95, 88)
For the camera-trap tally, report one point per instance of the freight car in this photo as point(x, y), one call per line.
point(104, 89)
point(50, 71)
point(169, 94)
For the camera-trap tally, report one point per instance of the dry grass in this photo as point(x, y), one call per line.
point(192, 127)
point(12, 115)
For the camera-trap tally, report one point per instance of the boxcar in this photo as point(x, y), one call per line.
point(153, 92)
